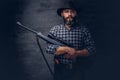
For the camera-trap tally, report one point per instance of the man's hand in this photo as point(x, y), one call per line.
point(64, 50)
point(70, 53)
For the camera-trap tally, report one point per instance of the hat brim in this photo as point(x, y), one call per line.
point(59, 11)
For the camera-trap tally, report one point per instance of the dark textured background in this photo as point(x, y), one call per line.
point(20, 58)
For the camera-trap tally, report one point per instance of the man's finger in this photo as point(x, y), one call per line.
point(67, 56)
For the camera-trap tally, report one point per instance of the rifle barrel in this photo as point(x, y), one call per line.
point(26, 27)
point(40, 35)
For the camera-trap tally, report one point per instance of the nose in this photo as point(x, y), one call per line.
point(69, 13)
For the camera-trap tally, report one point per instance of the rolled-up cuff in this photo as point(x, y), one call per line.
point(91, 50)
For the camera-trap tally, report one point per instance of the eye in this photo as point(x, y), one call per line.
point(66, 11)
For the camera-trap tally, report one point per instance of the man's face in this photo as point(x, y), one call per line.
point(69, 14)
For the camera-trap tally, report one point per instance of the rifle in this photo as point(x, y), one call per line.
point(45, 38)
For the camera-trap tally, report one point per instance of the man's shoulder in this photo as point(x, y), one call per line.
point(56, 27)
point(81, 26)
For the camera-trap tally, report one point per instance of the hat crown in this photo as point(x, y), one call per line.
point(69, 4)
point(66, 5)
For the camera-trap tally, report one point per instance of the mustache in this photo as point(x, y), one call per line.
point(69, 17)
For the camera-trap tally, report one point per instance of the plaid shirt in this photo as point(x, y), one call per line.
point(77, 37)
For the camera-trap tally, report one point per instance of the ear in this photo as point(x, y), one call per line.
point(61, 14)
point(76, 13)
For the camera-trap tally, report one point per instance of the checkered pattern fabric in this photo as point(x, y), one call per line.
point(77, 37)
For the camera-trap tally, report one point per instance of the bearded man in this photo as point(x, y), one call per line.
point(80, 44)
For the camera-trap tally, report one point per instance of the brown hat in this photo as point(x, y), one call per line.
point(67, 5)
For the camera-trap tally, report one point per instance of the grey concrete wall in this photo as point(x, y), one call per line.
point(21, 58)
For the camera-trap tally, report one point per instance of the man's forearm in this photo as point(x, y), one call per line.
point(83, 52)
point(71, 51)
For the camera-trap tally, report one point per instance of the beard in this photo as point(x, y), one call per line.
point(70, 20)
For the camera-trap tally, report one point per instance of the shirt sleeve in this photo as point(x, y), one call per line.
point(89, 43)
point(51, 48)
